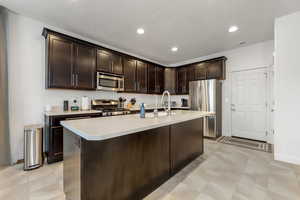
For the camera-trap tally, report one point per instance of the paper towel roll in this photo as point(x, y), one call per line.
point(85, 104)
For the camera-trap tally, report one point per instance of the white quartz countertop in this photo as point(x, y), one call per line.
point(137, 108)
point(109, 127)
point(79, 112)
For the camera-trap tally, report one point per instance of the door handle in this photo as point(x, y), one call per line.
point(232, 109)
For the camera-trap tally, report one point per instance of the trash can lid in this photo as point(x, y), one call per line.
point(33, 126)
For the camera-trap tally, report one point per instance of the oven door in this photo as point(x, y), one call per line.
point(109, 82)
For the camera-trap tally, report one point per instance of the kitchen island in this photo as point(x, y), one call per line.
point(126, 157)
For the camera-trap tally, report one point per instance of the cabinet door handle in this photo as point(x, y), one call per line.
point(77, 80)
point(73, 80)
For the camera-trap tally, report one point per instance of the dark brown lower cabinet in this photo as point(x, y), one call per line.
point(53, 138)
point(128, 167)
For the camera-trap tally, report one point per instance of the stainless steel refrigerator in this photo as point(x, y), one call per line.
point(206, 96)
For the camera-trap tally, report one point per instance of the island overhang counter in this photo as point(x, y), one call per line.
point(126, 157)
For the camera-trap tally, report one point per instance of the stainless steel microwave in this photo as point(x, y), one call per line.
point(110, 82)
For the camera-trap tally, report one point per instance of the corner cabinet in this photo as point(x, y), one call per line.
point(171, 80)
point(69, 65)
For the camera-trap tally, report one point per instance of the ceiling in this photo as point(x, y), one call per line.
point(197, 27)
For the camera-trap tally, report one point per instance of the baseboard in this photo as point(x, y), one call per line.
point(287, 158)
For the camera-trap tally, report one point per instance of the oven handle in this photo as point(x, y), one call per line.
point(104, 76)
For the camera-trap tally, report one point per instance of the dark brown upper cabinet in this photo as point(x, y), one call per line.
point(72, 63)
point(155, 79)
point(59, 58)
point(160, 77)
point(151, 79)
point(216, 69)
point(200, 71)
point(190, 75)
point(141, 77)
point(104, 61)
point(84, 67)
point(130, 84)
point(182, 81)
point(109, 62)
point(69, 65)
point(171, 80)
point(117, 64)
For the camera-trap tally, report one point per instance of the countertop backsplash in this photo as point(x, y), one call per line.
point(57, 103)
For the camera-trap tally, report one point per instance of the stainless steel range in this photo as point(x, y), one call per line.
point(109, 107)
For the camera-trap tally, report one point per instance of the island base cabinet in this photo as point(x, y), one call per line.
point(186, 143)
point(128, 167)
point(72, 166)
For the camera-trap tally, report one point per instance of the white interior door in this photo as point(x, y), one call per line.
point(249, 104)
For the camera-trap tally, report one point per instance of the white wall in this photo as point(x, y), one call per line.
point(287, 88)
point(243, 58)
point(26, 69)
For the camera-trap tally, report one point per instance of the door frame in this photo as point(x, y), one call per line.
point(269, 70)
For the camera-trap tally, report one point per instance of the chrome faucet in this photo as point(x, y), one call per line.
point(169, 101)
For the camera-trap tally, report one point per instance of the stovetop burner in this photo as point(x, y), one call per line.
point(108, 107)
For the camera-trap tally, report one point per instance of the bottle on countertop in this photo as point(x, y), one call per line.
point(142, 111)
point(66, 105)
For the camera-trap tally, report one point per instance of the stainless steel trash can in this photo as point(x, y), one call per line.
point(33, 147)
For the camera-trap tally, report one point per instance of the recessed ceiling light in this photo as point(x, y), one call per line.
point(174, 49)
point(233, 29)
point(140, 31)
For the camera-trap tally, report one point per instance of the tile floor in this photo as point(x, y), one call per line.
point(223, 172)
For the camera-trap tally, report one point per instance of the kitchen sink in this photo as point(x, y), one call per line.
point(160, 114)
